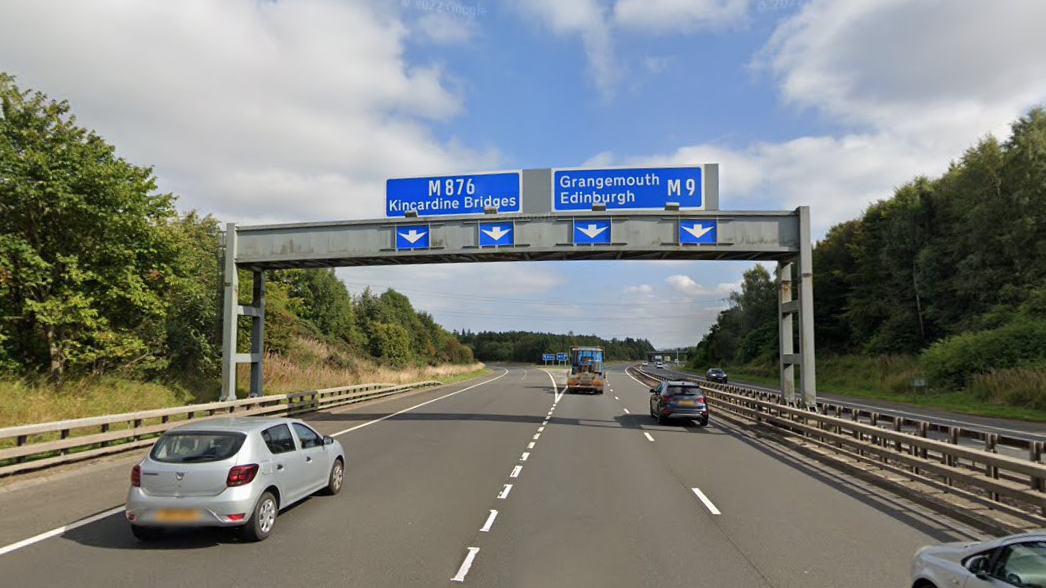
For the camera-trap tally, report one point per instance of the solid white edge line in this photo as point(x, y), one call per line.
point(515, 471)
point(555, 388)
point(389, 416)
point(465, 565)
point(649, 438)
point(54, 532)
point(505, 491)
point(704, 499)
point(490, 521)
point(525, 456)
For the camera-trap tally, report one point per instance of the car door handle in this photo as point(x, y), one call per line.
point(279, 466)
point(308, 458)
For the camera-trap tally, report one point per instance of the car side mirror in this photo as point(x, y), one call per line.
point(328, 440)
point(653, 390)
point(978, 566)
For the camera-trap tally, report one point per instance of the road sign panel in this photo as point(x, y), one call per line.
point(412, 237)
point(548, 357)
point(697, 231)
point(496, 233)
point(561, 357)
point(460, 194)
point(639, 188)
point(592, 230)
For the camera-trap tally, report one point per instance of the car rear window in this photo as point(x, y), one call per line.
point(196, 447)
point(684, 391)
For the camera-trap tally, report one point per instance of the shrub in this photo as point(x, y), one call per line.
point(954, 360)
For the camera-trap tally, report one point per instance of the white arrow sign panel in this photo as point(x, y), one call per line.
point(496, 233)
point(592, 230)
point(412, 235)
point(698, 231)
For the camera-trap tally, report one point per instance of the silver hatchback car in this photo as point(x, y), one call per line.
point(1016, 560)
point(228, 472)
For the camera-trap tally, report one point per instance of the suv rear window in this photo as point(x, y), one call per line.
point(196, 447)
point(683, 391)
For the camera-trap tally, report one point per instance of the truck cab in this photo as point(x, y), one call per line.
point(587, 372)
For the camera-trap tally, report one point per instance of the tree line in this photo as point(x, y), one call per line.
point(951, 269)
point(528, 347)
point(100, 273)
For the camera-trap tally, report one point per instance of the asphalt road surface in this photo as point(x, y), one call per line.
point(501, 482)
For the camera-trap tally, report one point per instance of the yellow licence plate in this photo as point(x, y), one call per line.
point(179, 515)
point(686, 403)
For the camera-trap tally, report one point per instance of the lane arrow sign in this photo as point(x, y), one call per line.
point(412, 235)
point(496, 233)
point(698, 231)
point(694, 231)
point(592, 230)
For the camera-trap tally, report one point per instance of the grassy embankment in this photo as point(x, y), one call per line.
point(1018, 393)
point(309, 365)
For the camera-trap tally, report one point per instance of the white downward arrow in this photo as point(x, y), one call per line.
point(413, 235)
point(697, 230)
point(592, 230)
point(496, 233)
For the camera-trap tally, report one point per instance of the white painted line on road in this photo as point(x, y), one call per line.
point(555, 388)
point(540, 429)
point(704, 499)
point(59, 530)
point(524, 374)
point(505, 491)
point(530, 445)
point(627, 412)
point(465, 565)
point(490, 522)
point(616, 398)
point(389, 416)
point(648, 437)
point(525, 456)
point(544, 422)
point(515, 471)
point(537, 436)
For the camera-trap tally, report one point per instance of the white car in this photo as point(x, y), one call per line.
point(646, 363)
point(1017, 560)
point(659, 365)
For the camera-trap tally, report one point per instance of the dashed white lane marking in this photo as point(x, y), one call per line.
point(627, 411)
point(541, 429)
point(555, 388)
point(465, 565)
point(648, 437)
point(525, 456)
point(708, 503)
point(60, 530)
point(530, 445)
point(616, 398)
point(490, 522)
point(537, 436)
point(408, 409)
point(505, 491)
point(515, 471)
point(544, 422)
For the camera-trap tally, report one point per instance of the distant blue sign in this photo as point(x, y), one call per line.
point(462, 194)
point(412, 237)
point(561, 357)
point(640, 188)
point(496, 233)
point(697, 231)
point(548, 357)
point(592, 230)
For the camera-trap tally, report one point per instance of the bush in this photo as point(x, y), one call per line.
point(952, 361)
point(1023, 386)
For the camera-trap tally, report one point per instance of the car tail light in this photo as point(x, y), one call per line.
point(235, 517)
point(241, 474)
point(136, 476)
point(701, 399)
point(668, 399)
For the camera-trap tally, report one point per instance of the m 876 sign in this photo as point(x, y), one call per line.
point(639, 188)
point(462, 194)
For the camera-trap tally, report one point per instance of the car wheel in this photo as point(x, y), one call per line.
point(336, 479)
point(146, 533)
point(703, 422)
point(662, 420)
point(262, 520)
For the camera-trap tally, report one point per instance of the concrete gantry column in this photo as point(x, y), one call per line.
point(785, 313)
point(257, 332)
point(230, 315)
point(807, 372)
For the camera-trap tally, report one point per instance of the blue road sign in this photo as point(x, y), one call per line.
point(697, 231)
point(412, 237)
point(461, 194)
point(548, 357)
point(640, 188)
point(561, 357)
point(592, 230)
point(496, 233)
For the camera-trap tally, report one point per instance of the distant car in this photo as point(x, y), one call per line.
point(1016, 560)
point(646, 363)
point(716, 375)
point(231, 472)
point(659, 365)
point(680, 399)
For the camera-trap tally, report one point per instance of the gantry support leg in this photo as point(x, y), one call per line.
point(230, 315)
point(787, 309)
point(807, 372)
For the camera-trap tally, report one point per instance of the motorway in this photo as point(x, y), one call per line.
point(501, 482)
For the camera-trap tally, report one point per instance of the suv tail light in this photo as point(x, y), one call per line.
point(136, 476)
point(701, 399)
point(666, 399)
point(241, 474)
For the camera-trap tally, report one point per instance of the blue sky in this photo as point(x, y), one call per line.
point(264, 111)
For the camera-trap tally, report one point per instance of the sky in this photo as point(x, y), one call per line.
point(261, 111)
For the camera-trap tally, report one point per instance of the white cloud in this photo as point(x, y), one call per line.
point(641, 290)
point(287, 110)
point(679, 15)
point(589, 20)
point(686, 285)
point(445, 28)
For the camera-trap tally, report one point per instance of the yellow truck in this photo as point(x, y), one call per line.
point(586, 370)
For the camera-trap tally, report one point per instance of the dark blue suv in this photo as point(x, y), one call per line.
point(678, 400)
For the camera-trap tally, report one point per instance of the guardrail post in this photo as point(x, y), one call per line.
point(105, 429)
point(64, 434)
point(20, 441)
point(1035, 455)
